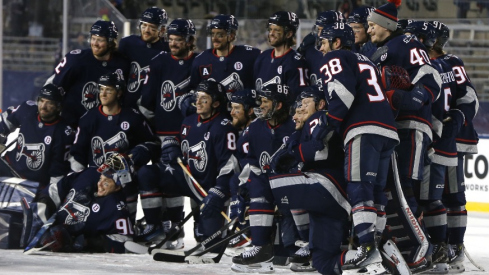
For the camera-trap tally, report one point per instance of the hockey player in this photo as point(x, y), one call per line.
point(166, 83)
point(309, 46)
point(281, 64)
point(207, 142)
point(265, 136)
point(243, 103)
point(43, 142)
point(112, 128)
point(358, 22)
point(89, 210)
point(413, 107)
point(229, 64)
point(79, 71)
point(464, 105)
point(359, 112)
point(140, 49)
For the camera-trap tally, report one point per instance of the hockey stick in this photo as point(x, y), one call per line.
point(472, 260)
point(137, 248)
point(406, 210)
point(179, 256)
point(2, 150)
point(29, 249)
point(179, 160)
point(161, 256)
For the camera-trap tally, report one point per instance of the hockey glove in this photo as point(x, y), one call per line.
point(186, 104)
point(408, 100)
point(140, 155)
point(283, 161)
point(308, 42)
point(213, 203)
point(293, 141)
point(452, 123)
point(238, 208)
point(395, 77)
point(170, 150)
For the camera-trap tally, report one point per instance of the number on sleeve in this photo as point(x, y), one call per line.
point(231, 141)
point(60, 65)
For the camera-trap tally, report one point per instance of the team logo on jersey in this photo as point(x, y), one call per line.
point(170, 92)
point(207, 136)
point(68, 130)
point(205, 71)
point(383, 57)
point(197, 155)
point(225, 122)
point(184, 146)
point(90, 95)
point(279, 69)
point(125, 125)
point(33, 152)
point(47, 140)
point(136, 76)
point(264, 161)
point(101, 149)
point(232, 83)
point(259, 82)
point(76, 212)
point(77, 51)
point(95, 207)
point(238, 66)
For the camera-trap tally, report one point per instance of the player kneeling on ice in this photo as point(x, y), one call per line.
point(87, 209)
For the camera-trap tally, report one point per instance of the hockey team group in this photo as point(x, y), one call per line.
point(346, 153)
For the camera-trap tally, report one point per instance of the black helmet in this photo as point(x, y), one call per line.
point(224, 22)
point(213, 88)
point(286, 19)
point(105, 29)
point(51, 92)
point(154, 15)
point(115, 80)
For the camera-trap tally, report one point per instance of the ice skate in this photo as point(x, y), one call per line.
point(176, 242)
point(366, 254)
point(32, 221)
point(440, 259)
point(150, 234)
point(301, 260)
point(456, 258)
point(257, 259)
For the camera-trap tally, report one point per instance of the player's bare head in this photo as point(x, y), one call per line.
point(243, 103)
point(383, 21)
point(274, 102)
point(152, 24)
point(111, 88)
point(358, 22)
point(336, 36)
point(282, 27)
point(103, 37)
point(442, 34)
point(223, 28)
point(49, 102)
point(210, 97)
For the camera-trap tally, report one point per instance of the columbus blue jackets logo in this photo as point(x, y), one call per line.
point(33, 152)
point(197, 155)
point(264, 162)
point(136, 76)
point(101, 149)
point(76, 212)
point(90, 95)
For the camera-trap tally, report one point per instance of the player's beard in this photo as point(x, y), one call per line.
point(99, 53)
point(239, 123)
point(277, 42)
point(179, 52)
point(148, 38)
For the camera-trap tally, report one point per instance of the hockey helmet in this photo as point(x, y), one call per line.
point(247, 98)
point(359, 15)
point(115, 80)
point(51, 92)
point(338, 30)
point(105, 29)
point(422, 30)
point(182, 27)
point(224, 22)
point(213, 88)
point(154, 15)
point(442, 33)
point(286, 19)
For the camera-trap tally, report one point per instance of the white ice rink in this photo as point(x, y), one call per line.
point(14, 262)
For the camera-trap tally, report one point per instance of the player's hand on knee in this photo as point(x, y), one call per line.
point(213, 203)
point(170, 150)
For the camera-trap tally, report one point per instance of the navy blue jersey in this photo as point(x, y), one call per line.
point(42, 148)
point(407, 52)
point(100, 135)
point(139, 54)
point(288, 69)
point(331, 157)
point(167, 79)
point(366, 49)
point(209, 146)
point(464, 98)
point(78, 74)
point(243, 146)
point(356, 102)
point(264, 140)
point(84, 213)
point(234, 71)
point(313, 59)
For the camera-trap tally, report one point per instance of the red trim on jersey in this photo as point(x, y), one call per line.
point(167, 133)
point(208, 119)
point(106, 115)
point(47, 124)
point(186, 58)
point(445, 153)
point(273, 53)
point(467, 140)
point(214, 52)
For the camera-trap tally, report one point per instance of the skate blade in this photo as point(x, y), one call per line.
point(440, 268)
point(234, 251)
point(456, 268)
point(307, 267)
point(262, 268)
point(371, 269)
